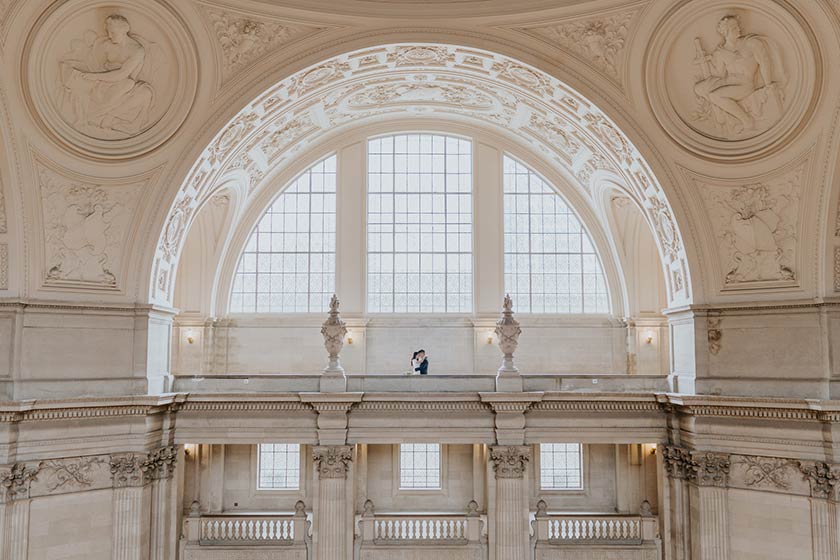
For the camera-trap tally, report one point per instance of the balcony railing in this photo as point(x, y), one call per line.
point(250, 530)
point(599, 531)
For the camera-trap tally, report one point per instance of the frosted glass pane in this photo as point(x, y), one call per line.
point(279, 466)
point(551, 265)
point(561, 466)
point(420, 466)
point(419, 224)
point(288, 265)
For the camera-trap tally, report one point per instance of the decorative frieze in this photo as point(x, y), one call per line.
point(73, 474)
point(332, 461)
point(766, 472)
point(510, 461)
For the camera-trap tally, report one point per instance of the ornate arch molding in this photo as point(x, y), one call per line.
point(424, 80)
point(275, 183)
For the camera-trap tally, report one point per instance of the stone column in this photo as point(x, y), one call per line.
point(160, 468)
point(512, 540)
point(15, 483)
point(823, 479)
point(677, 461)
point(131, 508)
point(708, 474)
point(332, 519)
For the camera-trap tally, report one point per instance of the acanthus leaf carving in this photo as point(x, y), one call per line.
point(85, 228)
point(16, 480)
point(709, 469)
point(127, 470)
point(756, 224)
point(510, 461)
point(822, 478)
point(160, 463)
point(332, 461)
point(600, 41)
point(246, 38)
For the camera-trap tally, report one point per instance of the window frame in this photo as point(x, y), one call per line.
point(505, 154)
point(253, 231)
point(255, 460)
point(397, 471)
point(584, 470)
point(471, 140)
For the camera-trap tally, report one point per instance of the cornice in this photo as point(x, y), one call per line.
point(47, 306)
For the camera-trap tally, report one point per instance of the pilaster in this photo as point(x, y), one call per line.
point(131, 508)
point(511, 508)
point(823, 479)
point(15, 484)
point(332, 519)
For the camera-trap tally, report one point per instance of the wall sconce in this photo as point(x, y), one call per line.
point(349, 337)
point(649, 337)
point(189, 449)
point(190, 336)
point(491, 337)
point(652, 449)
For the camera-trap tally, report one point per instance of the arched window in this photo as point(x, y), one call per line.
point(419, 224)
point(288, 265)
point(551, 265)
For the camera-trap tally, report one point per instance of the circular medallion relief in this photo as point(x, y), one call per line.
point(732, 80)
point(112, 80)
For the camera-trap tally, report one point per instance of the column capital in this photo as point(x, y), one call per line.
point(16, 481)
point(822, 478)
point(709, 469)
point(332, 461)
point(509, 461)
point(127, 470)
point(703, 468)
point(160, 463)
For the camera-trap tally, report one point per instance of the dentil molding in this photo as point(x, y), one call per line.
point(110, 79)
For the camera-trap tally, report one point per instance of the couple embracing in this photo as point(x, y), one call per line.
point(419, 362)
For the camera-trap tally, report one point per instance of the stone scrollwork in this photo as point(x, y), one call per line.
point(160, 463)
point(127, 470)
point(768, 472)
point(756, 223)
point(600, 41)
point(16, 480)
point(731, 83)
point(440, 81)
point(113, 82)
point(709, 469)
point(71, 474)
point(85, 227)
point(822, 478)
point(332, 461)
point(510, 461)
point(243, 40)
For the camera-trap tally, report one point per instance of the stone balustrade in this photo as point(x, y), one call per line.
point(401, 535)
point(214, 536)
point(630, 536)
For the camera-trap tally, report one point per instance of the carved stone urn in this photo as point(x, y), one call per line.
point(334, 330)
point(508, 331)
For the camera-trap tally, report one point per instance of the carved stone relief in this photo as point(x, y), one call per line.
point(837, 269)
point(600, 41)
point(85, 229)
point(714, 334)
point(112, 79)
point(765, 472)
point(60, 476)
point(510, 461)
point(244, 38)
point(16, 481)
point(466, 84)
point(332, 461)
point(731, 80)
point(756, 225)
point(4, 266)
